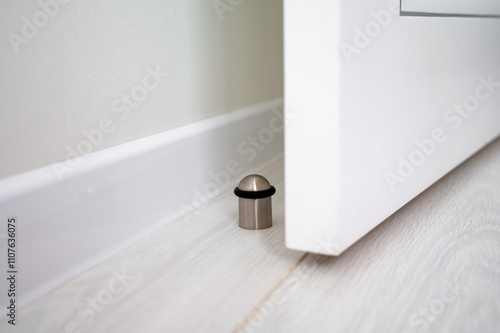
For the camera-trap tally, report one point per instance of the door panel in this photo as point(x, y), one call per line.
point(380, 106)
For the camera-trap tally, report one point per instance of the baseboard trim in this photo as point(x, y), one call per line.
point(119, 194)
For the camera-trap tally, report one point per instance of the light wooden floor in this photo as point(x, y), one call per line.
point(432, 267)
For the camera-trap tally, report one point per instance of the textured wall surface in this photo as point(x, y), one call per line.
point(79, 77)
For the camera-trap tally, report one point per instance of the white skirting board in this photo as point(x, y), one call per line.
point(66, 223)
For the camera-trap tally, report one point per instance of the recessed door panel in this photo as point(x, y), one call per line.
point(453, 7)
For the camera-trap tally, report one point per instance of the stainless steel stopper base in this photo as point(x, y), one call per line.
point(255, 214)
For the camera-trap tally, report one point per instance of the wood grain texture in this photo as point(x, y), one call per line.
point(434, 266)
point(199, 274)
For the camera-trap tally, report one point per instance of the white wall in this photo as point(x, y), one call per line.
point(65, 78)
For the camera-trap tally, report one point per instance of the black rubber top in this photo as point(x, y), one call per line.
point(254, 195)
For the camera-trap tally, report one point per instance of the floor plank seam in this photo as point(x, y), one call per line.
point(257, 308)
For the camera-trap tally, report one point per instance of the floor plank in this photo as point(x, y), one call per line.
point(434, 266)
point(202, 278)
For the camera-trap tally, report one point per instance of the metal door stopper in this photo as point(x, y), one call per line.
point(255, 205)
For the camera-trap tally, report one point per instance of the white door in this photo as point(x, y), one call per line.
point(383, 103)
